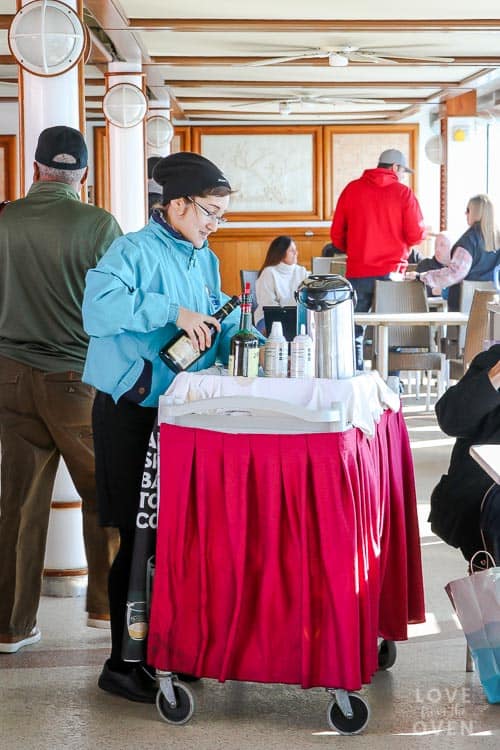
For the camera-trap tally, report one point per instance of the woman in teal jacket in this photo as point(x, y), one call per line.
point(149, 284)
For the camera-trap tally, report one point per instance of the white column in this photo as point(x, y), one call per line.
point(45, 102)
point(127, 158)
point(65, 564)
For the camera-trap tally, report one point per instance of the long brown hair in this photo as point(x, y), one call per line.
point(276, 251)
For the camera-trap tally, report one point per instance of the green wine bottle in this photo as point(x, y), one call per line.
point(244, 351)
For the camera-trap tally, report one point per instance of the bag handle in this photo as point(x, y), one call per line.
point(487, 555)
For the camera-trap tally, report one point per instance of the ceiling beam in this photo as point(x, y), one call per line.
point(316, 62)
point(311, 25)
point(7, 60)
point(196, 83)
point(5, 20)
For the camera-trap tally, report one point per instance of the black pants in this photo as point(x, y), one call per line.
point(490, 522)
point(121, 438)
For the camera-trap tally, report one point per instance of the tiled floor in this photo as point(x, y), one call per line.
point(49, 697)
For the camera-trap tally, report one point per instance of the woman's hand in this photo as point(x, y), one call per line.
point(196, 326)
point(411, 276)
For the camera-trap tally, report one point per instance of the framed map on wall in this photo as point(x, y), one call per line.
point(350, 149)
point(276, 172)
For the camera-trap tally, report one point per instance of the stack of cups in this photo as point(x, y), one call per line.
point(276, 354)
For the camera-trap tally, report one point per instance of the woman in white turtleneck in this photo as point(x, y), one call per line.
point(278, 278)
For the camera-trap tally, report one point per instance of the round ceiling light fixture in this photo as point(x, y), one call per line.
point(124, 105)
point(434, 149)
point(47, 37)
point(337, 60)
point(159, 132)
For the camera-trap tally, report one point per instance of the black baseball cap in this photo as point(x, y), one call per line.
point(185, 174)
point(61, 147)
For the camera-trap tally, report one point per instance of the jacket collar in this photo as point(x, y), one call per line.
point(56, 188)
point(161, 228)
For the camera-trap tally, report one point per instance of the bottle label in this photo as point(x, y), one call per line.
point(182, 352)
point(301, 365)
point(276, 359)
point(253, 363)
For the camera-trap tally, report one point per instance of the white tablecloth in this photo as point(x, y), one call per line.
point(365, 396)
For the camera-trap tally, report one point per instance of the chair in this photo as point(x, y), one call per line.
point(460, 299)
point(250, 277)
point(410, 347)
point(476, 332)
point(320, 265)
point(338, 266)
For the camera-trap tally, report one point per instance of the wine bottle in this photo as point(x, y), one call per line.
point(179, 353)
point(244, 352)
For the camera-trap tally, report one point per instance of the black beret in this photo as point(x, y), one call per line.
point(185, 174)
point(61, 147)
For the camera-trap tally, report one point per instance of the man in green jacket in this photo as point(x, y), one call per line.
point(48, 241)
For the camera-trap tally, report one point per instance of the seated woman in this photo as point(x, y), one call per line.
point(473, 256)
point(466, 500)
point(278, 278)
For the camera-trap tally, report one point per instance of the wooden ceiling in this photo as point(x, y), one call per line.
point(209, 65)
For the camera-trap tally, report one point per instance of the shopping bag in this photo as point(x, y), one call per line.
point(476, 600)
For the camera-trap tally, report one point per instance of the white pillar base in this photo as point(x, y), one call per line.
point(64, 586)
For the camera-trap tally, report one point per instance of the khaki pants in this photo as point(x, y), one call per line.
point(44, 416)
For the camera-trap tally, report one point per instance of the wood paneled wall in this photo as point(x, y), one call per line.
point(247, 247)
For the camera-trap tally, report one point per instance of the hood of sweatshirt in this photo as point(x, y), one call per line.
point(380, 177)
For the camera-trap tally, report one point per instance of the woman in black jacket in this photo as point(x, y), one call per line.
point(469, 411)
point(473, 256)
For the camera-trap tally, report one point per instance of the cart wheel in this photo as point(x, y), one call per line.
point(344, 725)
point(387, 653)
point(182, 712)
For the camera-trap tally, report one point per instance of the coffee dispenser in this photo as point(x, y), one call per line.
point(329, 304)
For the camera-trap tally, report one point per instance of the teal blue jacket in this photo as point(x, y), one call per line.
point(131, 302)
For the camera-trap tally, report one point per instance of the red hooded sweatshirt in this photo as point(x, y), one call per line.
point(376, 221)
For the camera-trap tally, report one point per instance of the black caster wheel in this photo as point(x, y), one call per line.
point(387, 653)
point(182, 712)
point(345, 725)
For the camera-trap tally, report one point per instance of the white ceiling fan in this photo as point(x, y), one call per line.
point(342, 55)
point(286, 104)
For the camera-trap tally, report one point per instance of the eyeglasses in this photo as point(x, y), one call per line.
point(209, 214)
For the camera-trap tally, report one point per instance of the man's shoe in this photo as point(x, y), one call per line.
point(95, 620)
point(9, 644)
point(134, 685)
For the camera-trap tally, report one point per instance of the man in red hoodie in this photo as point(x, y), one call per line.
point(376, 221)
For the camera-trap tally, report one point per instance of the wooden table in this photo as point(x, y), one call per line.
point(383, 320)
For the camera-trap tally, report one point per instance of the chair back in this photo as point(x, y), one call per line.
point(476, 330)
point(320, 265)
point(338, 266)
point(250, 277)
point(402, 297)
point(460, 300)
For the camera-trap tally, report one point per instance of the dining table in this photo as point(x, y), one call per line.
point(382, 322)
